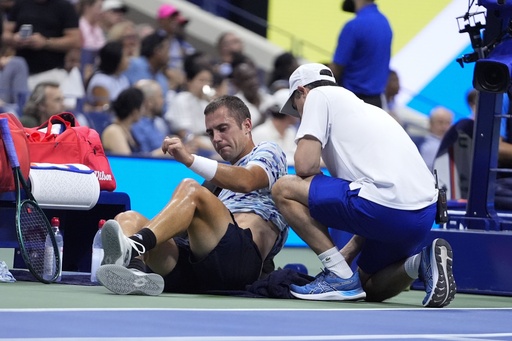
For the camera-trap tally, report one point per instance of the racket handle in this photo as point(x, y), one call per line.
point(8, 142)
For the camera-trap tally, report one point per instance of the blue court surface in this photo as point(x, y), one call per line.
point(256, 324)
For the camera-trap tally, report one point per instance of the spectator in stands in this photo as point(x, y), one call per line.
point(108, 80)
point(278, 128)
point(117, 138)
point(440, 120)
point(154, 55)
point(72, 85)
point(415, 123)
point(112, 12)
point(220, 85)
point(227, 44)
point(46, 100)
point(54, 32)
point(229, 236)
point(13, 81)
point(151, 129)
point(284, 65)
point(186, 111)
point(361, 60)
point(171, 23)
point(126, 32)
point(92, 34)
point(245, 79)
point(390, 92)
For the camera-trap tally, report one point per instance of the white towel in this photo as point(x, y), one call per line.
point(64, 186)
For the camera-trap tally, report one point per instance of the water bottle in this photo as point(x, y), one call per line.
point(97, 252)
point(49, 259)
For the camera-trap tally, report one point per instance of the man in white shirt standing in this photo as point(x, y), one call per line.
point(379, 189)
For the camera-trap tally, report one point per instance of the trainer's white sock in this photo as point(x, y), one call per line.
point(412, 266)
point(335, 262)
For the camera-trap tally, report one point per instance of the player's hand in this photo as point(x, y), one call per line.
point(175, 148)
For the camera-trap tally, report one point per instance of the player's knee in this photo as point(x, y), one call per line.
point(188, 187)
point(281, 189)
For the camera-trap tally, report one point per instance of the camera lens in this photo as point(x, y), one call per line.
point(491, 77)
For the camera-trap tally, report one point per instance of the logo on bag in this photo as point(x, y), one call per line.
point(102, 176)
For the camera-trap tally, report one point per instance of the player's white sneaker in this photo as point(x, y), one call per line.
point(124, 281)
point(116, 246)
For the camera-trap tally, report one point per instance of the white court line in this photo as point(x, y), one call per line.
point(246, 309)
point(450, 337)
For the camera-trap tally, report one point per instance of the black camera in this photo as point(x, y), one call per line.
point(494, 73)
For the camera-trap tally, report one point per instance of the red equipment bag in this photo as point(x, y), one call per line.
point(21, 145)
point(71, 144)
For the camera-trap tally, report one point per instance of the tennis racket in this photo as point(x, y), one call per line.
point(32, 226)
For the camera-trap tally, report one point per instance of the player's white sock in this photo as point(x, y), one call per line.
point(412, 266)
point(335, 262)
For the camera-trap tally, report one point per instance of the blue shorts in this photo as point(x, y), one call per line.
point(391, 234)
point(234, 263)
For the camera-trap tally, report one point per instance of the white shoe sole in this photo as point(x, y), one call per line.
point(444, 286)
point(123, 281)
point(111, 239)
point(354, 295)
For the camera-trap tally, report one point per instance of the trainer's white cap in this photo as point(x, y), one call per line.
point(302, 76)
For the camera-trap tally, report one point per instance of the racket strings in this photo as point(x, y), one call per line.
point(34, 230)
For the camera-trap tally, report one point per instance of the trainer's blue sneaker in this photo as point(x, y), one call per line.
point(436, 273)
point(329, 287)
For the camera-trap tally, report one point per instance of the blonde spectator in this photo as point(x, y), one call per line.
point(126, 32)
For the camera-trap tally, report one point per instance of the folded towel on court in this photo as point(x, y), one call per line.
point(5, 275)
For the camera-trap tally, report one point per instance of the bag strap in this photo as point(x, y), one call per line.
point(66, 118)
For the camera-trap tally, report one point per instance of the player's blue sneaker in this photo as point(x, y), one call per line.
point(436, 273)
point(124, 281)
point(117, 247)
point(329, 287)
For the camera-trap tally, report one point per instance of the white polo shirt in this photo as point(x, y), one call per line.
point(363, 144)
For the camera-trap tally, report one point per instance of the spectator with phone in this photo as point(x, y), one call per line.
point(42, 32)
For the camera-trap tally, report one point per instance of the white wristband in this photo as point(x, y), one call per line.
point(204, 167)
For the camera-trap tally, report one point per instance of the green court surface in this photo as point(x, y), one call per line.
point(25, 294)
point(33, 295)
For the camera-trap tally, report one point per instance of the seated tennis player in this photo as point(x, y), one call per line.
point(228, 237)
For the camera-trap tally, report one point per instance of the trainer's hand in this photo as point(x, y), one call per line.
point(174, 146)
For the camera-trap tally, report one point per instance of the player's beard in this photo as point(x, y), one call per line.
point(348, 6)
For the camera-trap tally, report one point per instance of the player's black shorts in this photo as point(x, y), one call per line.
point(234, 263)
